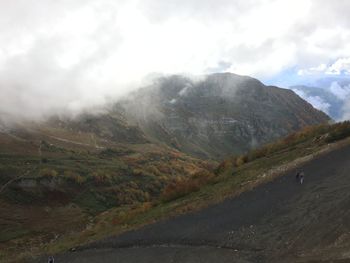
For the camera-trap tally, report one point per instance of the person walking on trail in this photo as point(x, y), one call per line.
point(51, 260)
point(301, 178)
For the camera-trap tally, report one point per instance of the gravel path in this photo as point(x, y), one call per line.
point(275, 220)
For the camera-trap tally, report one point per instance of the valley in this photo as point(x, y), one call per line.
point(96, 172)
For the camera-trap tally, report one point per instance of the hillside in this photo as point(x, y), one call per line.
point(219, 115)
point(281, 221)
point(61, 178)
point(102, 169)
point(55, 180)
point(257, 211)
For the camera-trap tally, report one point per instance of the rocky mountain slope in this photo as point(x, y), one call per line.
point(219, 115)
point(209, 118)
point(270, 217)
point(130, 154)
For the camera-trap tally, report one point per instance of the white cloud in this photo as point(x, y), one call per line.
point(313, 70)
point(346, 110)
point(319, 103)
point(316, 101)
point(341, 66)
point(61, 54)
point(341, 92)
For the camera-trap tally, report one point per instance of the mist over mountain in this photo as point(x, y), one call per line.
point(330, 95)
point(209, 117)
point(58, 57)
point(114, 114)
point(219, 115)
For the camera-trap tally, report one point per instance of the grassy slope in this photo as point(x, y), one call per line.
point(235, 175)
point(60, 183)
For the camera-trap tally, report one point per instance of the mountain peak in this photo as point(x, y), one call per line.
point(221, 114)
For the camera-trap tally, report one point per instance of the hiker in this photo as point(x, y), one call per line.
point(301, 178)
point(297, 176)
point(51, 260)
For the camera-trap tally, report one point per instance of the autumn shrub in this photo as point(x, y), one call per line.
point(182, 186)
point(154, 170)
point(258, 153)
point(227, 164)
point(340, 131)
point(164, 168)
point(308, 133)
point(179, 188)
point(241, 160)
point(48, 172)
point(124, 217)
point(75, 177)
point(129, 196)
point(100, 177)
point(320, 134)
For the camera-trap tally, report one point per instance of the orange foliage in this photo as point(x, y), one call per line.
point(183, 186)
point(319, 134)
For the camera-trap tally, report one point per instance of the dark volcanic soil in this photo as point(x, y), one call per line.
point(281, 221)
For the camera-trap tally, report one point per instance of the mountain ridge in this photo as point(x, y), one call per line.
point(209, 118)
point(141, 151)
point(223, 114)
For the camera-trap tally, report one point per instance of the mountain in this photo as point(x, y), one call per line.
point(218, 115)
point(208, 118)
point(62, 175)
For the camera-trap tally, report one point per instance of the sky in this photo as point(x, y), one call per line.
point(64, 56)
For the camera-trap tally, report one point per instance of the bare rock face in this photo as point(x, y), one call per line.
point(219, 115)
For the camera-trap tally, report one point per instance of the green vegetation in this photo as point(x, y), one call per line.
point(96, 181)
point(310, 137)
point(49, 182)
point(96, 194)
point(180, 187)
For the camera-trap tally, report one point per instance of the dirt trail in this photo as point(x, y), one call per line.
point(278, 220)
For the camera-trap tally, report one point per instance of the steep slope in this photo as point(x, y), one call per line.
point(56, 177)
point(60, 159)
point(134, 153)
point(219, 115)
point(280, 221)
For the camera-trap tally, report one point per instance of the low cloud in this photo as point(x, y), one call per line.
point(341, 92)
point(319, 103)
point(332, 99)
point(339, 67)
point(316, 101)
point(221, 67)
point(346, 110)
point(66, 56)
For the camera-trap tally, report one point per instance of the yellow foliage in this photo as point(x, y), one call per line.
point(77, 178)
point(48, 172)
point(241, 160)
point(183, 186)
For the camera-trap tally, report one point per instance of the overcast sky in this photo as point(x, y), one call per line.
point(64, 54)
